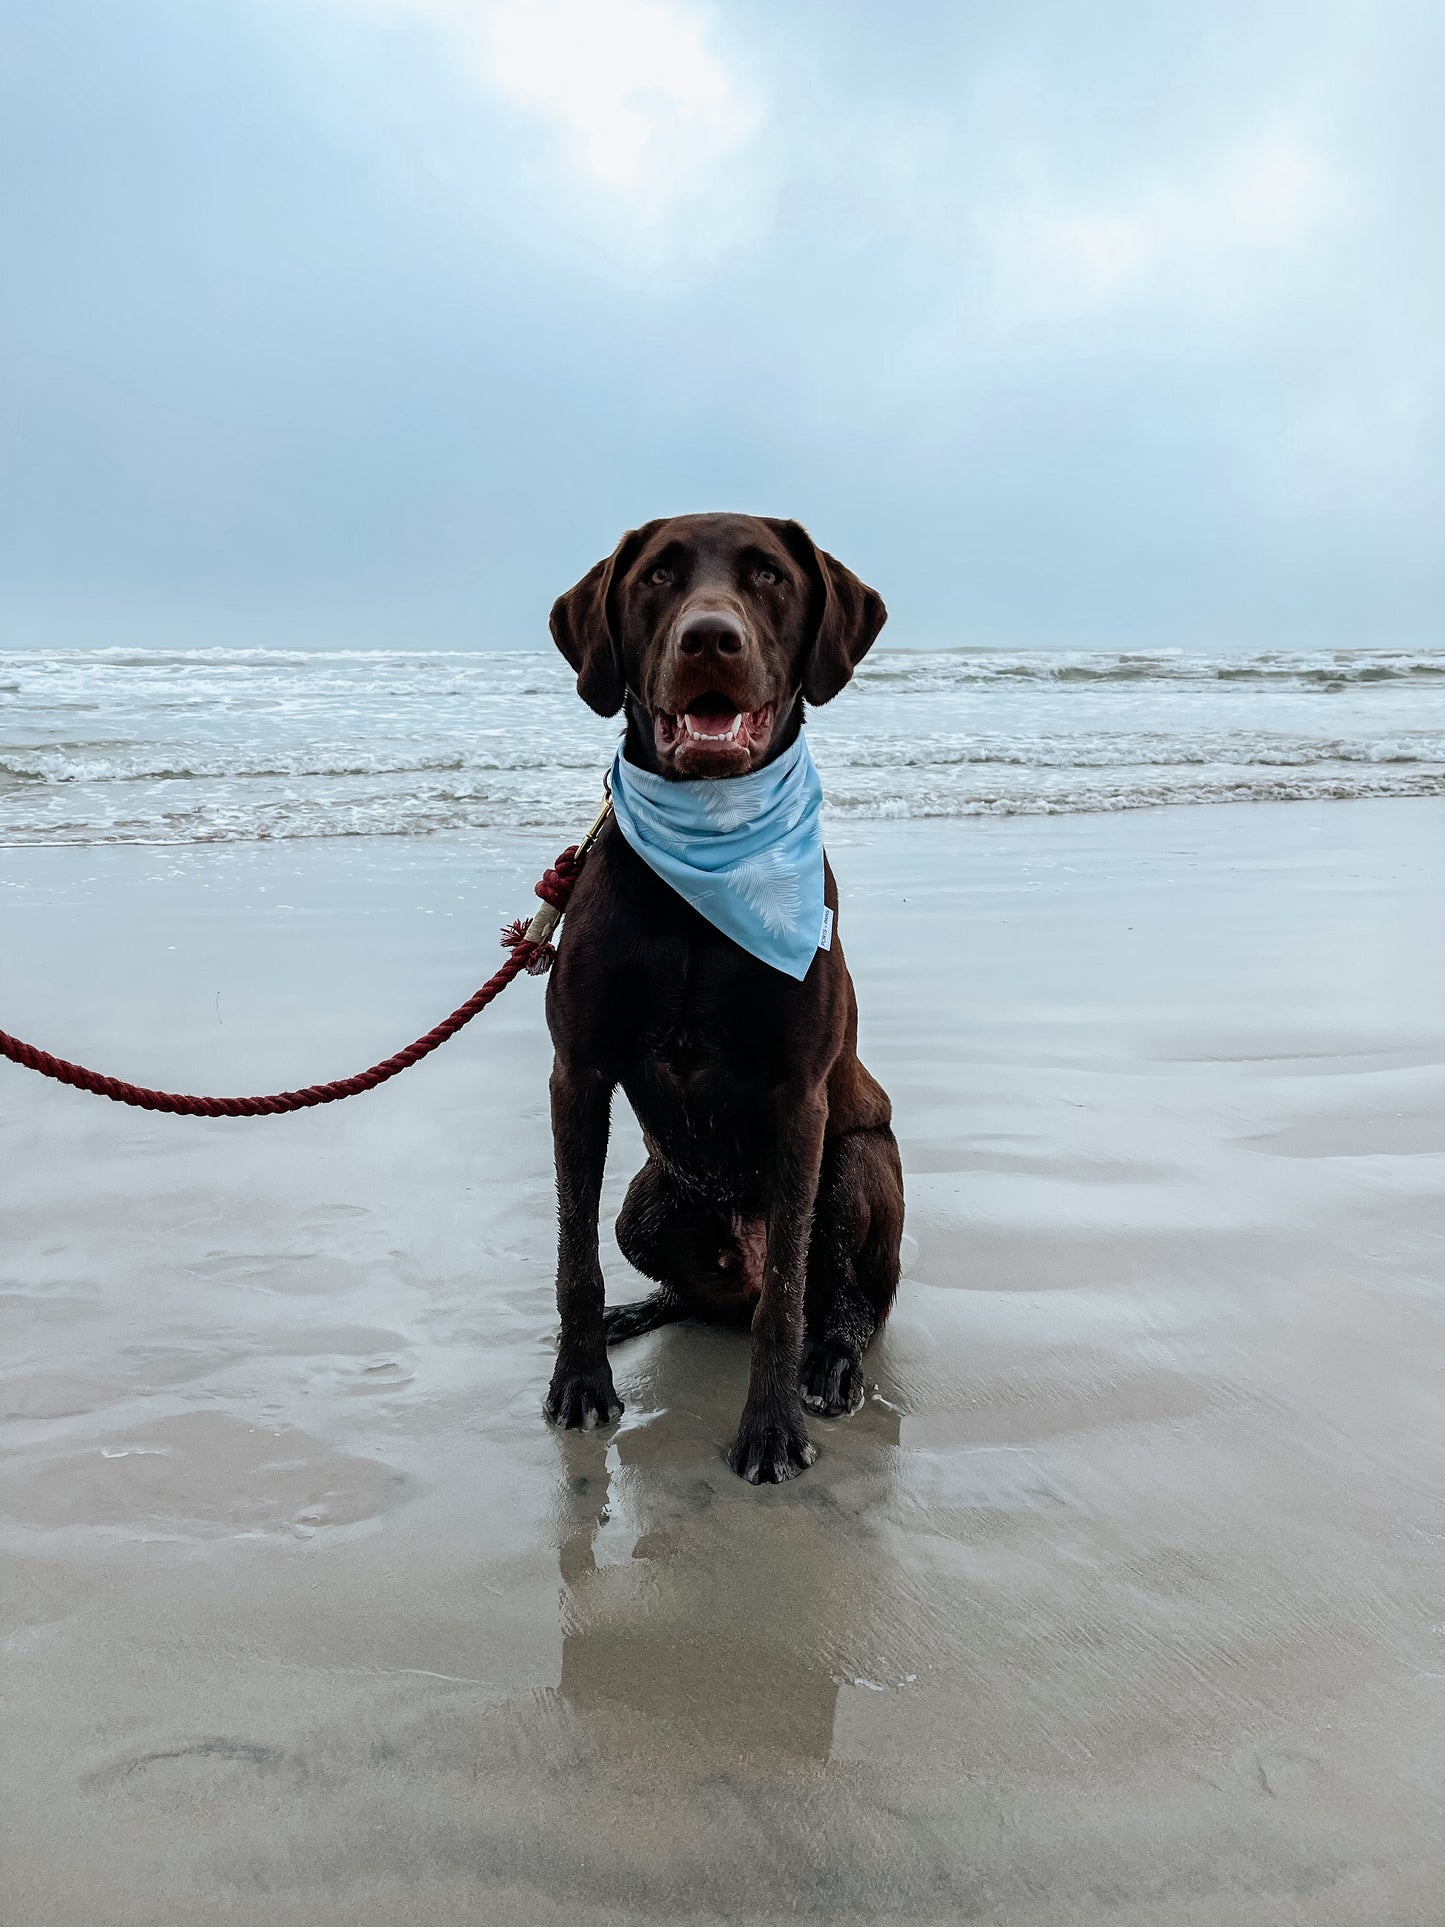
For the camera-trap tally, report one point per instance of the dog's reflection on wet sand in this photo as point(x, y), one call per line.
point(699, 1614)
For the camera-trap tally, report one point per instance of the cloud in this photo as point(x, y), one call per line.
point(1216, 237)
point(380, 300)
point(627, 119)
point(632, 84)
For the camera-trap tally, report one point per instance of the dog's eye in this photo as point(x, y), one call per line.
point(765, 577)
point(660, 578)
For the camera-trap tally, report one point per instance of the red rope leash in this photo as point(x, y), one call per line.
point(530, 951)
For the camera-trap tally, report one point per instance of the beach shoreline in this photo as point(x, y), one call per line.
point(1118, 1601)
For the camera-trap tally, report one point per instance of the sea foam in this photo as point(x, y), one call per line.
point(164, 746)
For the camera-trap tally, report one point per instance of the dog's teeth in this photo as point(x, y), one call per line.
point(690, 728)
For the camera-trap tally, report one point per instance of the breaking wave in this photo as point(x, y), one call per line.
point(205, 745)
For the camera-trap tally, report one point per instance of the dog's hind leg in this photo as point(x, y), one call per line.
point(648, 1236)
point(661, 1307)
point(707, 1262)
point(852, 1266)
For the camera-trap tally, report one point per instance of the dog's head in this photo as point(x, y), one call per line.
point(713, 630)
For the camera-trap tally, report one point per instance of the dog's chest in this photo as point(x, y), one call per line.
point(690, 1050)
point(690, 1064)
point(697, 1082)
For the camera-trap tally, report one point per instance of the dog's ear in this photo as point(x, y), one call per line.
point(583, 625)
point(847, 616)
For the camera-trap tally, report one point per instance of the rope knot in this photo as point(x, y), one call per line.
point(557, 884)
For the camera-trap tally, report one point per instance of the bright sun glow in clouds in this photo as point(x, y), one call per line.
point(633, 82)
point(644, 105)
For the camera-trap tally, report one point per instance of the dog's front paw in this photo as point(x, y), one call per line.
point(579, 1400)
point(832, 1378)
point(769, 1448)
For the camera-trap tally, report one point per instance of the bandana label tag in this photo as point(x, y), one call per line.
point(825, 941)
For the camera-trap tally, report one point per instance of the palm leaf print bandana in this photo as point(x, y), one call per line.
point(745, 851)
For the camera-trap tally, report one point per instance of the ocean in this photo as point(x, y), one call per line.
point(234, 745)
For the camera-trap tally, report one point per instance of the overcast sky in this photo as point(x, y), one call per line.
point(374, 322)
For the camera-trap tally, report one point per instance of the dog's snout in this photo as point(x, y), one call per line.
point(710, 630)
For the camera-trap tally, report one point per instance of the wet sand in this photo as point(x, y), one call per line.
point(1118, 1602)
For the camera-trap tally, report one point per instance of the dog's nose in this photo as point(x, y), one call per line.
point(710, 629)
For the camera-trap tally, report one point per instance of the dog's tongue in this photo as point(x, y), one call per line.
point(712, 716)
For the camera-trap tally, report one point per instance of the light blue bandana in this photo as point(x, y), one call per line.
point(745, 851)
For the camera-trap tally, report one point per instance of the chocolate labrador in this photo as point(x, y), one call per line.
point(772, 1195)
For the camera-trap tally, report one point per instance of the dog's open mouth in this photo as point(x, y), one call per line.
point(712, 734)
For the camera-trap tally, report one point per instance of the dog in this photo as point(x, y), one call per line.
point(772, 1195)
